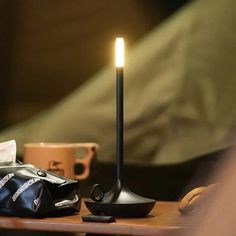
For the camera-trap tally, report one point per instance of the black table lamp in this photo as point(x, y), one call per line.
point(119, 201)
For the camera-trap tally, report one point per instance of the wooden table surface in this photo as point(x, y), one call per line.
point(164, 216)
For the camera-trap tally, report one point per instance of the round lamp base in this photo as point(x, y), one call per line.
point(121, 202)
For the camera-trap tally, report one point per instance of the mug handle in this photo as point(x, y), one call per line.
point(91, 149)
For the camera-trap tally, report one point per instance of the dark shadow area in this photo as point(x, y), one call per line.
point(168, 183)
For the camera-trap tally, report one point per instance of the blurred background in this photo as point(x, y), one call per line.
point(49, 47)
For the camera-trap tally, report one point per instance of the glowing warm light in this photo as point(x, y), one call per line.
point(119, 52)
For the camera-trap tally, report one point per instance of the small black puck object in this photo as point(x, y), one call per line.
point(98, 218)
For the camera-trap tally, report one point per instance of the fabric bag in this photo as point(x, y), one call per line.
point(26, 190)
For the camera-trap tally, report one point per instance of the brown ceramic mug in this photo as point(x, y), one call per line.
point(61, 158)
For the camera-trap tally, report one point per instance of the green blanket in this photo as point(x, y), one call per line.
point(180, 91)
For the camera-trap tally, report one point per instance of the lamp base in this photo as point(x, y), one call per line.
point(121, 202)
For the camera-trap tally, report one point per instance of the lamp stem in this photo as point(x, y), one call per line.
point(119, 124)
